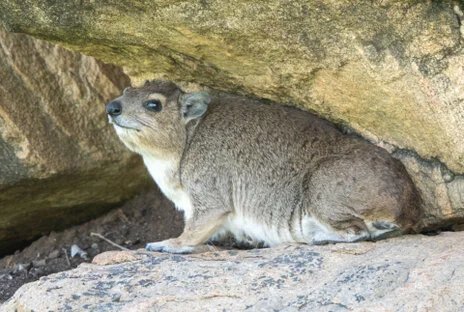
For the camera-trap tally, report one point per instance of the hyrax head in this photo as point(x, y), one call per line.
point(152, 119)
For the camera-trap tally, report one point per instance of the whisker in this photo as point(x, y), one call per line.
point(146, 123)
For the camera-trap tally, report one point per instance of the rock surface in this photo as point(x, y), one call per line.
point(60, 161)
point(146, 218)
point(393, 71)
point(410, 273)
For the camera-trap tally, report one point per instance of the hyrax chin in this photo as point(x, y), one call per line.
point(266, 174)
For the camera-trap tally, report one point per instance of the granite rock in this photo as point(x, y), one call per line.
point(409, 273)
point(61, 163)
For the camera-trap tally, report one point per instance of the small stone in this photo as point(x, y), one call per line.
point(132, 242)
point(23, 267)
point(77, 251)
point(448, 177)
point(36, 272)
point(94, 246)
point(116, 297)
point(54, 254)
point(39, 263)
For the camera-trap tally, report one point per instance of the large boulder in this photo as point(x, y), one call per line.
point(60, 161)
point(390, 70)
point(409, 273)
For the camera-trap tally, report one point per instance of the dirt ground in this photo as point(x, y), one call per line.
point(147, 218)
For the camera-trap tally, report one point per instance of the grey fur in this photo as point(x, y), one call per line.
point(265, 173)
point(194, 105)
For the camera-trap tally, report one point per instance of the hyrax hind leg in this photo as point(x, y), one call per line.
point(352, 200)
point(351, 230)
point(321, 231)
point(198, 229)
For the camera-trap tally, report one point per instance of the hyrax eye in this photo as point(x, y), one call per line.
point(153, 105)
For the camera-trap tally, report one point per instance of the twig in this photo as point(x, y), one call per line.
point(67, 258)
point(123, 216)
point(108, 241)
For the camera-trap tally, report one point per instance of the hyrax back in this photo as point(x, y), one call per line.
point(264, 173)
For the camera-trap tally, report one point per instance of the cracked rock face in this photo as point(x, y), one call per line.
point(60, 161)
point(392, 71)
point(409, 273)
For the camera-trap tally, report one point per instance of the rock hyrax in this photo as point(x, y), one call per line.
point(267, 174)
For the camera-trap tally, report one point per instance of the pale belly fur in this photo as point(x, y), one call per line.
point(163, 172)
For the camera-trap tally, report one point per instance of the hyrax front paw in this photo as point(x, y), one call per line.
point(169, 245)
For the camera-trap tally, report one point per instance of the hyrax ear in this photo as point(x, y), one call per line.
point(194, 105)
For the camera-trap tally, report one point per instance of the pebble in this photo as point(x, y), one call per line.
point(116, 298)
point(39, 263)
point(77, 251)
point(54, 254)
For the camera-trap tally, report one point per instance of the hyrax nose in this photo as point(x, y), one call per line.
point(114, 108)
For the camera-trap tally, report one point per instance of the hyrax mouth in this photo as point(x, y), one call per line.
point(124, 127)
point(115, 123)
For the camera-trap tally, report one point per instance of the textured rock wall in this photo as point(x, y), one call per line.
point(409, 273)
point(390, 70)
point(60, 162)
